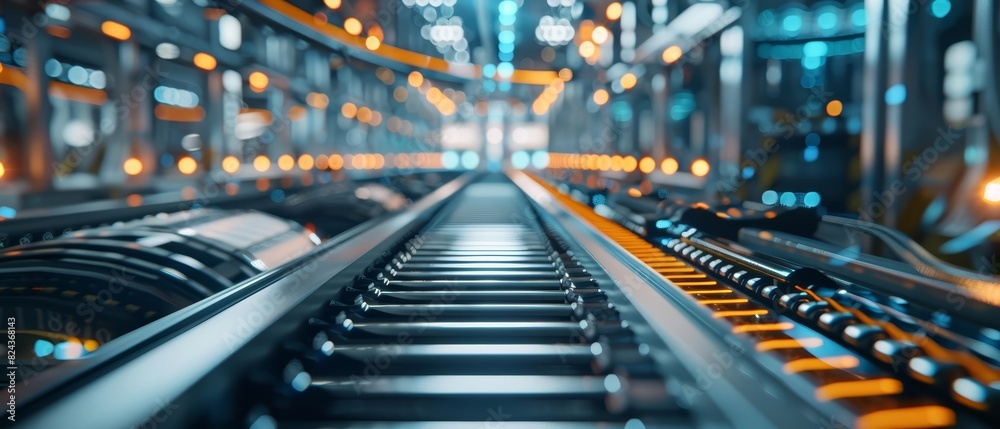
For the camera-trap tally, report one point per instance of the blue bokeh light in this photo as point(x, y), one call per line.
point(815, 49)
point(540, 159)
point(507, 7)
point(505, 69)
point(810, 154)
point(896, 94)
point(812, 63)
point(811, 199)
point(858, 17)
point(449, 160)
point(940, 8)
point(827, 20)
point(792, 23)
point(788, 199)
point(43, 348)
point(506, 37)
point(520, 160)
point(470, 160)
point(769, 197)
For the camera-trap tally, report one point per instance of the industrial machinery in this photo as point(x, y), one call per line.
point(523, 214)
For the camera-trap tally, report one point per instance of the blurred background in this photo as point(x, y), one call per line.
point(883, 110)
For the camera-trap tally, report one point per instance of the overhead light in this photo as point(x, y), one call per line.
point(505, 70)
point(204, 61)
point(601, 97)
point(599, 35)
point(258, 81)
point(230, 164)
point(261, 163)
point(317, 100)
point(647, 165)
point(507, 7)
point(613, 11)
point(834, 108)
point(628, 80)
point(187, 165)
point(116, 30)
point(669, 166)
point(364, 114)
point(175, 97)
point(57, 11)
point(349, 110)
point(168, 51)
point(672, 54)
point(992, 193)
point(700, 168)
point(232, 81)
point(230, 32)
point(132, 166)
point(352, 26)
point(554, 32)
point(306, 162)
point(448, 34)
point(286, 162)
point(415, 79)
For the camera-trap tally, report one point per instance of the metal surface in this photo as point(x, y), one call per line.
point(196, 341)
point(873, 108)
point(977, 298)
point(895, 32)
point(683, 328)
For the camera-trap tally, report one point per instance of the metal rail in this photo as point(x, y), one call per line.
point(690, 332)
point(195, 346)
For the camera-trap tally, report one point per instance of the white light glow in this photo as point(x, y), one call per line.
point(494, 135)
point(992, 193)
point(168, 51)
point(230, 32)
point(553, 32)
point(232, 81)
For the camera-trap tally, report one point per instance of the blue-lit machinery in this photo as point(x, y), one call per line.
point(441, 213)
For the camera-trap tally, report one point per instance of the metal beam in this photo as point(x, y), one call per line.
point(873, 107)
point(486, 37)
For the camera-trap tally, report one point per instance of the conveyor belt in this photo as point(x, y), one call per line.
point(496, 303)
point(844, 350)
point(483, 314)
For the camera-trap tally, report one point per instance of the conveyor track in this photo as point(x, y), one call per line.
point(484, 315)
